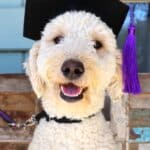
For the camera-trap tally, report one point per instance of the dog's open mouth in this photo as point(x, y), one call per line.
point(71, 93)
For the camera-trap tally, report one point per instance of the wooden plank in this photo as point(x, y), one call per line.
point(139, 115)
point(145, 82)
point(133, 146)
point(144, 146)
point(13, 146)
point(19, 106)
point(17, 101)
point(139, 118)
point(139, 101)
point(14, 82)
point(16, 135)
point(139, 146)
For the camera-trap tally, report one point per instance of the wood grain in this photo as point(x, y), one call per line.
point(14, 83)
point(139, 118)
point(13, 146)
point(145, 82)
point(141, 101)
point(133, 146)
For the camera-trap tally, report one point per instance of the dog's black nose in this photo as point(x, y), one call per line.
point(72, 69)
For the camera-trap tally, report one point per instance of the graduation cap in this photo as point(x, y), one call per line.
point(39, 12)
point(112, 12)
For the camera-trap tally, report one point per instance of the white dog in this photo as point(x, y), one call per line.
point(70, 69)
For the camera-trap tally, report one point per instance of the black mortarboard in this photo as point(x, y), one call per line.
point(39, 12)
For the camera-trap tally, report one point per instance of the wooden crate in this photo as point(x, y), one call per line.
point(19, 101)
point(139, 117)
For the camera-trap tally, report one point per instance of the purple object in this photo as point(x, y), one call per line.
point(6, 117)
point(129, 67)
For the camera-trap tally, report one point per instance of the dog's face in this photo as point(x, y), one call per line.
point(73, 64)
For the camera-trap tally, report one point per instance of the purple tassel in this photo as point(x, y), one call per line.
point(130, 71)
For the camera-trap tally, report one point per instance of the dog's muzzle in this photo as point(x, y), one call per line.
point(72, 69)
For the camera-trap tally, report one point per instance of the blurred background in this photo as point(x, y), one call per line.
point(14, 47)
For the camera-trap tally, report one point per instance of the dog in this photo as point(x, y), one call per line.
point(70, 69)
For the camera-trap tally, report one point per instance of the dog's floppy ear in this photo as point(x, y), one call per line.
point(31, 70)
point(119, 118)
point(115, 87)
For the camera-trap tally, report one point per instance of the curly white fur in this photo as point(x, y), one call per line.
point(79, 30)
point(91, 134)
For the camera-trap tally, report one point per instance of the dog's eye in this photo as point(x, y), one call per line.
point(97, 44)
point(57, 39)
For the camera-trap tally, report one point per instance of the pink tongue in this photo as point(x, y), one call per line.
point(71, 89)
